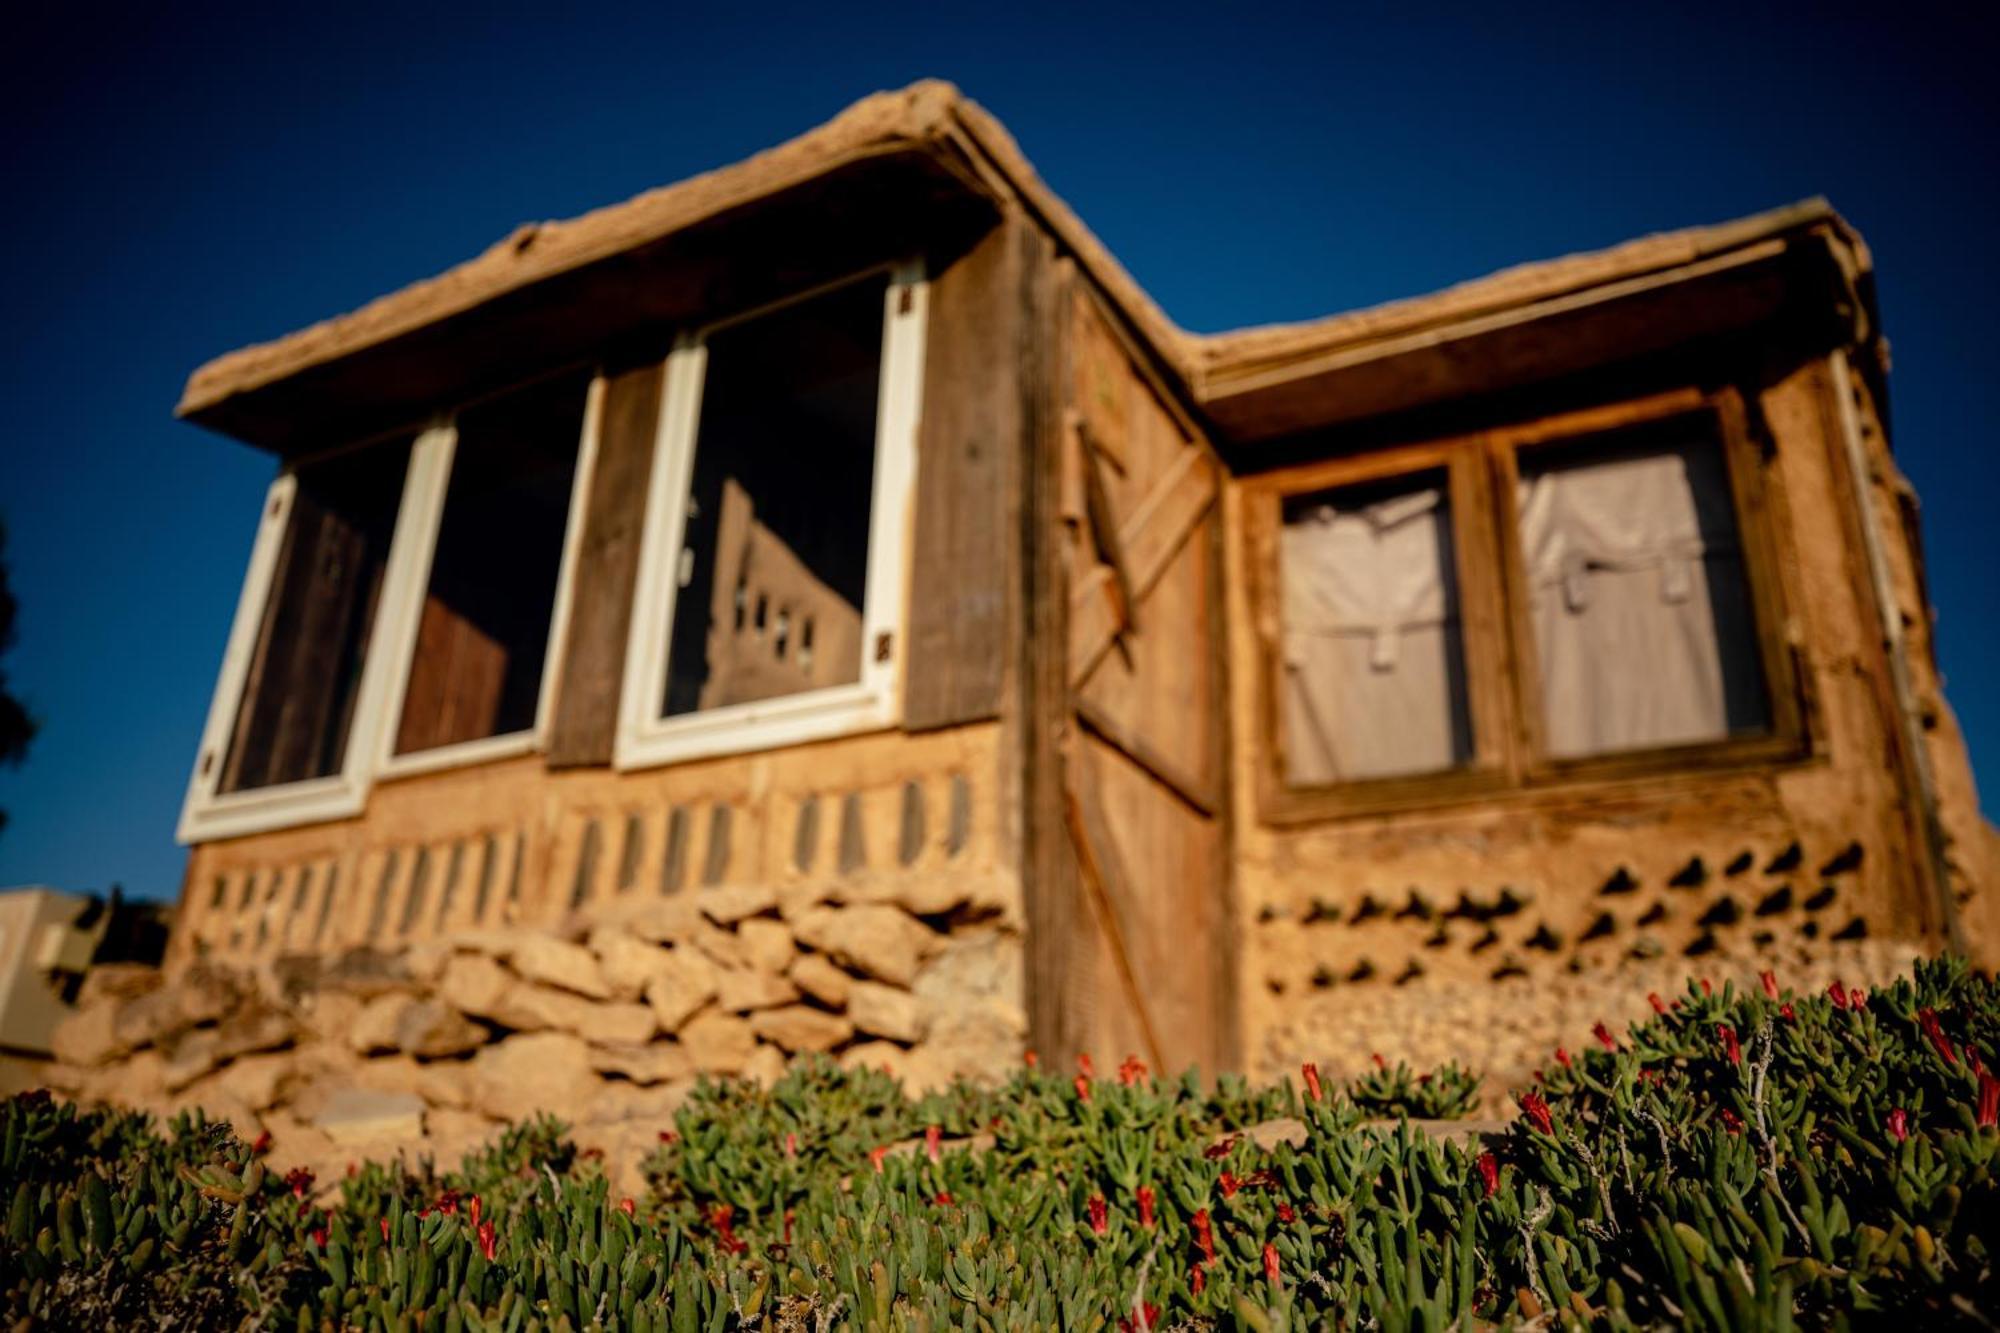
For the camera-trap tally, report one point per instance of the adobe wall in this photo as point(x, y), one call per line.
point(1491, 930)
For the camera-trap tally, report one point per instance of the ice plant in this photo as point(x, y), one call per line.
point(1786, 1010)
point(299, 1181)
point(1311, 1072)
point(788, 1226)
point(1131, 1071)
point(875, 1156)
point(1030, 1059)
point(1604, 1037)
point(1989, 1101)
point(385, 1228)
point(1146, 1207)
point(1730, 1120)
point(1489, 1173)
point(627, 1207)
point(1537, 1110)
point(1204, 1238)
point(1221, 1148)
point(791, 1144)
point(942, 1199)
point(263, 1143)
point(1706, 989)
point(1730, 1049)
point(933, 1136)
point(472, 1210)
point(319, 1237)
point(1927, 1019)
point(1837, 994)
point(1149, 1315)
point(1271, 1263)
point(1659, 1005)
point(1769, 980)
point(1084, 1068)
point(1899, 1124)
point(489, 1241)
point(668, 1136)
point(1562, 1057)
point(1857, 999)
point(1100, 1215)
point(1082, 1088)
point(1230, 1184)
point(1286, 1215)
point(1380, 1063)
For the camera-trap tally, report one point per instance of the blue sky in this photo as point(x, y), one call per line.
point(181, 182)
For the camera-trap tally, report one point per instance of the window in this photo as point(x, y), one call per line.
point(769, 598)
point(1585, 598)
point(398, 613)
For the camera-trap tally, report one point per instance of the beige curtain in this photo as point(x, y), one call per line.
point(1643, 628)
point(1373, 682)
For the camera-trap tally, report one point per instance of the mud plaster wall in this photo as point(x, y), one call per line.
point(1408, 933)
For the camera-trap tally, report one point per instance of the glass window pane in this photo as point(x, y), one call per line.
point(1373, 680)
point(305, 668)
point(1643, 626)
point(771, 577)
point(483, 637)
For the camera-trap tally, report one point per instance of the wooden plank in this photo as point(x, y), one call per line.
point(1151, 535)
point(1104, 529)
point(607, 566)
point(1193, 788)
point(969, 439)
point(1104, 876)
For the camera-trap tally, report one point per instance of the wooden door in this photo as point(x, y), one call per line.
point(1136, 952)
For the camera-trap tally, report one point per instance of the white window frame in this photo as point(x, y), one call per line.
point(208, 814)
point(645, 738)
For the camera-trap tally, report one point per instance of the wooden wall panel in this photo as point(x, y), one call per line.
point(968, 445)
point(607, 567)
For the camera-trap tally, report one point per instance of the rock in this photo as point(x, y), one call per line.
point(686, 981)
point(647, 1064)
point(425, 961)
point(878, 939)
point(527, 1007)
point(885, 1057)
point(445, 1083)
point(557, 962)
point(90, 1036)
point(474, 984)
point(366, 972)
point(925, 894)
point(884, 1011)
point(193, 1057)
point(375, 1026)
point(152, 1019)
point(204, 993)
point(258, 1081)
point(254, 1027)
point(454, 1132)
point(972, 965)
point(530, 1072)
point(720, 946)
point(765, 1066)
point(718, 1043)
point(799, 1028)
point(430, 1029)
point(628, 962)
point(329, 1016)
point(624, 1103)
point(729, 904)
point(359, 1115)
point(116, 981)
point(767, 944)
point(817, 977)
point(742, 989)
point(663, 920)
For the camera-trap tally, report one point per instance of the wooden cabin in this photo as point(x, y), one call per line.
point(848, 514)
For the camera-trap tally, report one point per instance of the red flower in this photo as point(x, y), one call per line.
point(1837, 995)
point(1230, 1184)
point(1376, 1056)
point(1562, 1057)
point(472, 1210)
point(1286, 1215)
point(1131, 1071)
point(1706, 989)
point(942, 1198)
point(1604, 1037)
point(1082, 1088)
point(263, 1143)
point(875, 1155)
point(1149, 1315)
point(1271, 1262)
point(629, 1208)
point(1100, 1214)
point(1786, 1010)
point(1857, 999)
point(668, 1136)
point(1659, 1005)
point(1489, 1173)
point(1650, 1076)
point(1730, 1120)
point(1221, 1148)
point(933, 1136)
point(319, 1237)
point(1030, 1059)
point(1311, 1072)
point(1899, 1124)
point(1085, 1067)
point(1927, 1019)
point(1537, 1110)
point(299, 1181)
point(1727, 1036)
point(722, 1218)
point(788, 1226)
point(1989, 1100)
point(384, 1223)
point(1146, 1207)
point(1769, 980)
point(489, 1241)
point(1196, 1280)
point(1204, 1238)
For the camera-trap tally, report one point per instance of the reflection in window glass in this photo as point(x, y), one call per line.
point(1643, 629)
point(483, 636)
point(773, 567)
point(1374, 670)
point(305, 666)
